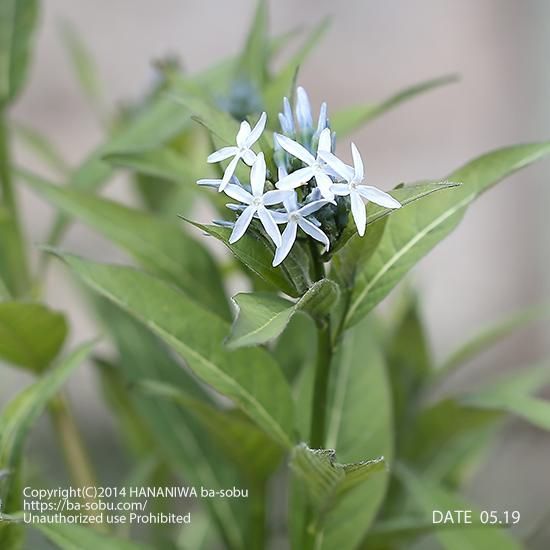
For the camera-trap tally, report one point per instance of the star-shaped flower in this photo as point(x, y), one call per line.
point(256, 203)
point(316, 167)
point(246, 137)
point(296, 216)
point(354, 187)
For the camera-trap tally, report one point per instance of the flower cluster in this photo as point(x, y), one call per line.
point(314, 190)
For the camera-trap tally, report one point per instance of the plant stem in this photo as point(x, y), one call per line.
point(12, 243)
point(257, 525)
point(81, 470)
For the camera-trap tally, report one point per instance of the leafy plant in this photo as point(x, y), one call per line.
point(302, 385)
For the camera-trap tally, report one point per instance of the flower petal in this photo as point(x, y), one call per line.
point(241, 225)
point(209, 183)
point(313, 231)
point(291, 202)
point(322, 122)
point(238, 193)
point(255, 134)
point(295, 149)
point(357, 163)
point(279, 217)
point(324, 183)
point(312, 207)
point(337, 165)
point(325, 141)
point(257, 175)
point(249, 156)
point(340, 189)
point(287, 110)
point(275, 197)
point(229, 171)
point(222, 154)
point(359, 212)
point(297, 178)
point(379, 197)
point(269, 225)
point(244, 132)
point(303, 109)
point(288, 238)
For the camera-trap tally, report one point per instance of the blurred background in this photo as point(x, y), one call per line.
point(497, 261)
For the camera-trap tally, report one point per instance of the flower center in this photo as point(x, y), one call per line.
point(257, 201)
point(293, 217)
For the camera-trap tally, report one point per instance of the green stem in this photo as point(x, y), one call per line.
point(12, 244)
point(257, 531)
point(79, 465)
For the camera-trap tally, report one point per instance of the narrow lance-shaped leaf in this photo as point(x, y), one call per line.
point(513, 394)
point(263, 316)
point(248, 376)
point(17, 23)
point(256, 252)
point(327, 481)
point(253, 60)
point(42, 148)
point(17, 419)
point(352, 118)
point(233, 432)
point(31, 334)
point(281, 84)
point(83, 65)
point(430, 496)
point(179, 439)
point(158, 244)
point(491, 335)
point(412, 232)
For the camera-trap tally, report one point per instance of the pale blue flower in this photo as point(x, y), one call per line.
point(256, 203)
point(354, 187)
point(296, 216)
point(315, 167)
point(246, 137)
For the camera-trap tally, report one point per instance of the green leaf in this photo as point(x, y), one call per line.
point(179, 439)
point(161, 163)
point(430, 496)
point(158, 244)
point(296, 347)
point(412, 232)
point(156, 124)
point(352, 118)
point(17, 23)
point(281, 84)
point(78, 537)
point(4, 292)
point(491, 335)
point(252, 64)
point(249, 376)
point(446, 437)
point(409, 360)
point(512, 394)
point(350, 245)
point(83, 64)
point(256, 252)
point(18, 417)
point(31, 335)
point(262, 316)
point(327, 481)
point(359, 425)
point(256, 455)
point(42, 148)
